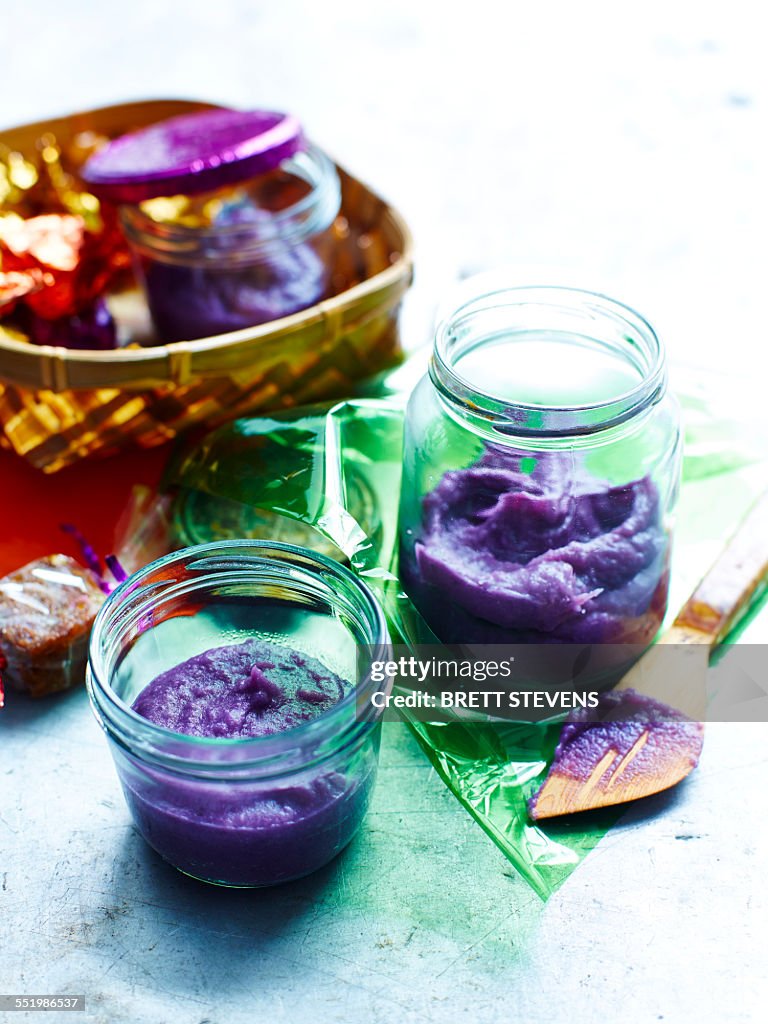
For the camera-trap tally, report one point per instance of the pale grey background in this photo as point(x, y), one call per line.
point(626, 141)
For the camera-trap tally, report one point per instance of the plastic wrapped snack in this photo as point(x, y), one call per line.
point(46, 611)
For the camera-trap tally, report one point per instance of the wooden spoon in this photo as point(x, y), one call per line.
point(652, 734)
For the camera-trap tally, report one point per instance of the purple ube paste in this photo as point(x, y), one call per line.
point(247, 832)
point(190, 302)
point(506, 556)
point(628, 737)
point(621, 717)
point(213, 297)
point(244, 690)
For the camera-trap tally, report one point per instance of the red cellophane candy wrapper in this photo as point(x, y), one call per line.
point(15, 284)
point(60, 250)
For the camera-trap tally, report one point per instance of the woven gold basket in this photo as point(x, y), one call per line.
point(58, 405)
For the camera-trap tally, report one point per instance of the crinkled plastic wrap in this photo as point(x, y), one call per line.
point(47, 607)
point(143, 532)
point(338, 471)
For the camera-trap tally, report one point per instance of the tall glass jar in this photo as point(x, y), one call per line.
point(238, 256)
point(241, 811)
point(541, 467)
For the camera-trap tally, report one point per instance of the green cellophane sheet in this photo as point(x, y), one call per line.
point(338, 470)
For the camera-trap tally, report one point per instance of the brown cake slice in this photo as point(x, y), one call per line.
point(46, 611)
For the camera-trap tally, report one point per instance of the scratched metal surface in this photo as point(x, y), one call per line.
point(420, 920)
point(627, 144)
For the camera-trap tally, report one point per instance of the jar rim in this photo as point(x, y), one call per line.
point(332, 728)
point(553, 420)
point(308, 216)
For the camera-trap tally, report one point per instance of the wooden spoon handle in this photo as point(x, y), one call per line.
point(729, 585)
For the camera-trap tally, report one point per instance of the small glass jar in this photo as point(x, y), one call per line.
point(239, 256)
point(253, 811)
point(541, 467)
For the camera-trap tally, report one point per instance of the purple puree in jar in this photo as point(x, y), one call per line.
point(249, 832)
point(247, 267)
point(190, 302)
point(506, 556)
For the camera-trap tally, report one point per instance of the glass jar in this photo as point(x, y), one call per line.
point(541, 467)
point(241, 811)
point(239, 256)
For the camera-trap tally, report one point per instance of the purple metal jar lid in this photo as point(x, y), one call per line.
point(192, 153)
